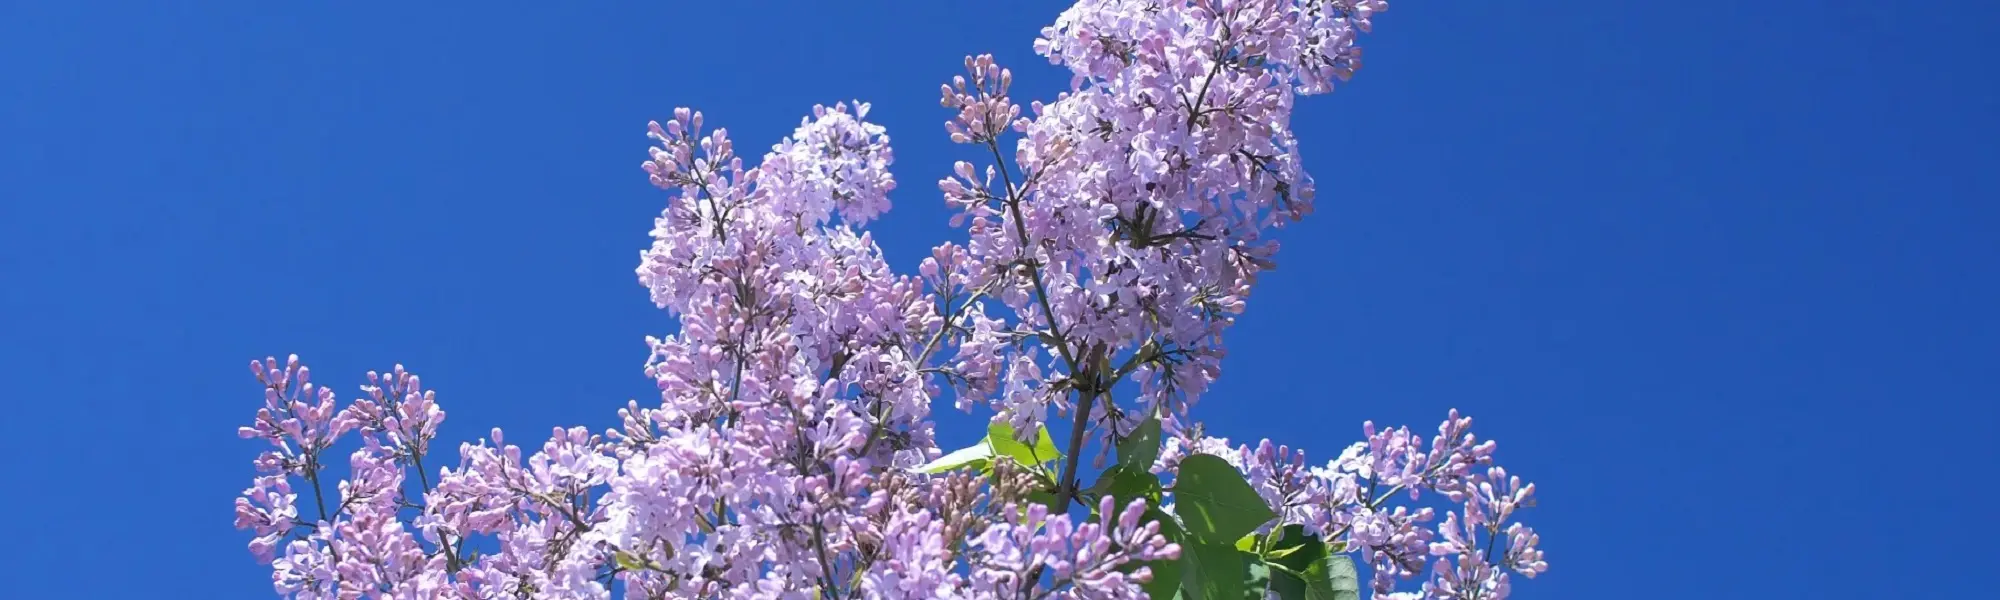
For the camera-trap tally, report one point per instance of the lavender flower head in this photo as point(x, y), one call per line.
point(1114, 236)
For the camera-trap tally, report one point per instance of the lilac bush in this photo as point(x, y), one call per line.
point(1110, 241)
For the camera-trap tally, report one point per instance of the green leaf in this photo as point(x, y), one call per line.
point(1125, 483)
point(1049, 499)
point(1000, 436)
point(1280, 553)
point(1214, 502)
point(628, 562)
point(1213, 571)
point(1287, 585)
point(1305, 568)
point(999, 441)
point(1333, 578)
point(976, 456)
point(1293, 540)
point(1167, 574)
point(1257, 579)
point(1140, 449)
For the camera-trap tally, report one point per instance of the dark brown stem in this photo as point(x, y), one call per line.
point(1068, 484)
point(1066, 487)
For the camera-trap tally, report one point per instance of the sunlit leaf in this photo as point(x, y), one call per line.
point(1000, 436)
point(1140, 449)
point(1214, 503)
point(974, 456)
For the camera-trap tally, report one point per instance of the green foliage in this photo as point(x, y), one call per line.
point(977, 456)
point(629, 562)
point(1212, 570)
point(1167, 574)
point(1332, 577)
point(1256, 578)
point(1000, 436)
point(1222, 555)
point(1047, 498)
point(1214, 503)
point(1304, 567)
point(1125, 483)
point(998, 443)
point(1142, 447)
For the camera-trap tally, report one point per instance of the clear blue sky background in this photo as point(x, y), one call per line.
point(1720, 278)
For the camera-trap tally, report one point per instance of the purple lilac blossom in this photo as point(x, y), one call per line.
point(1115, 235)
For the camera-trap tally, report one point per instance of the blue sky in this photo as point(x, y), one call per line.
point(1719, 281)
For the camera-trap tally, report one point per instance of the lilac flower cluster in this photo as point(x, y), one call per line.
point(1113, 237)
point(360, 545)
point(1124, 228)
